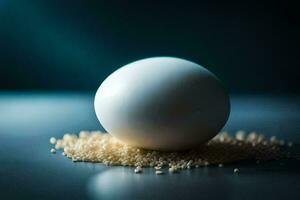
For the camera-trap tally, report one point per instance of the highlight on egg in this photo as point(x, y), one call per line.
point(162, 103)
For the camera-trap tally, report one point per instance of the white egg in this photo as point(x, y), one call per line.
point(162, 103)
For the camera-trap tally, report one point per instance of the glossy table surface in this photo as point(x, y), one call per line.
point(29, 171)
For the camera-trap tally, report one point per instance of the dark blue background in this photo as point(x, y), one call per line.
point(73, 45)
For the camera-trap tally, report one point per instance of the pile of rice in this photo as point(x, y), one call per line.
point(95, 146)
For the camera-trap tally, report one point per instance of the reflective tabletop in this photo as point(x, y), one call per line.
point(29, 171)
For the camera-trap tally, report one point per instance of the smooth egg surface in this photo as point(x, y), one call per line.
point(162, 103)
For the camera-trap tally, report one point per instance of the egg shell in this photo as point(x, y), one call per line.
point(162, 103)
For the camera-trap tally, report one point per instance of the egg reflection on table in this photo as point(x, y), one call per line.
point(162, 103)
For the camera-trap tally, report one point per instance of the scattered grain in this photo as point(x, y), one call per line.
point(274, 140)
point(138, 170)
point(53, 150)
point(158, 172)
point(240, 135)
point(95, 146)
point(52, 140)
point(173, 169)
